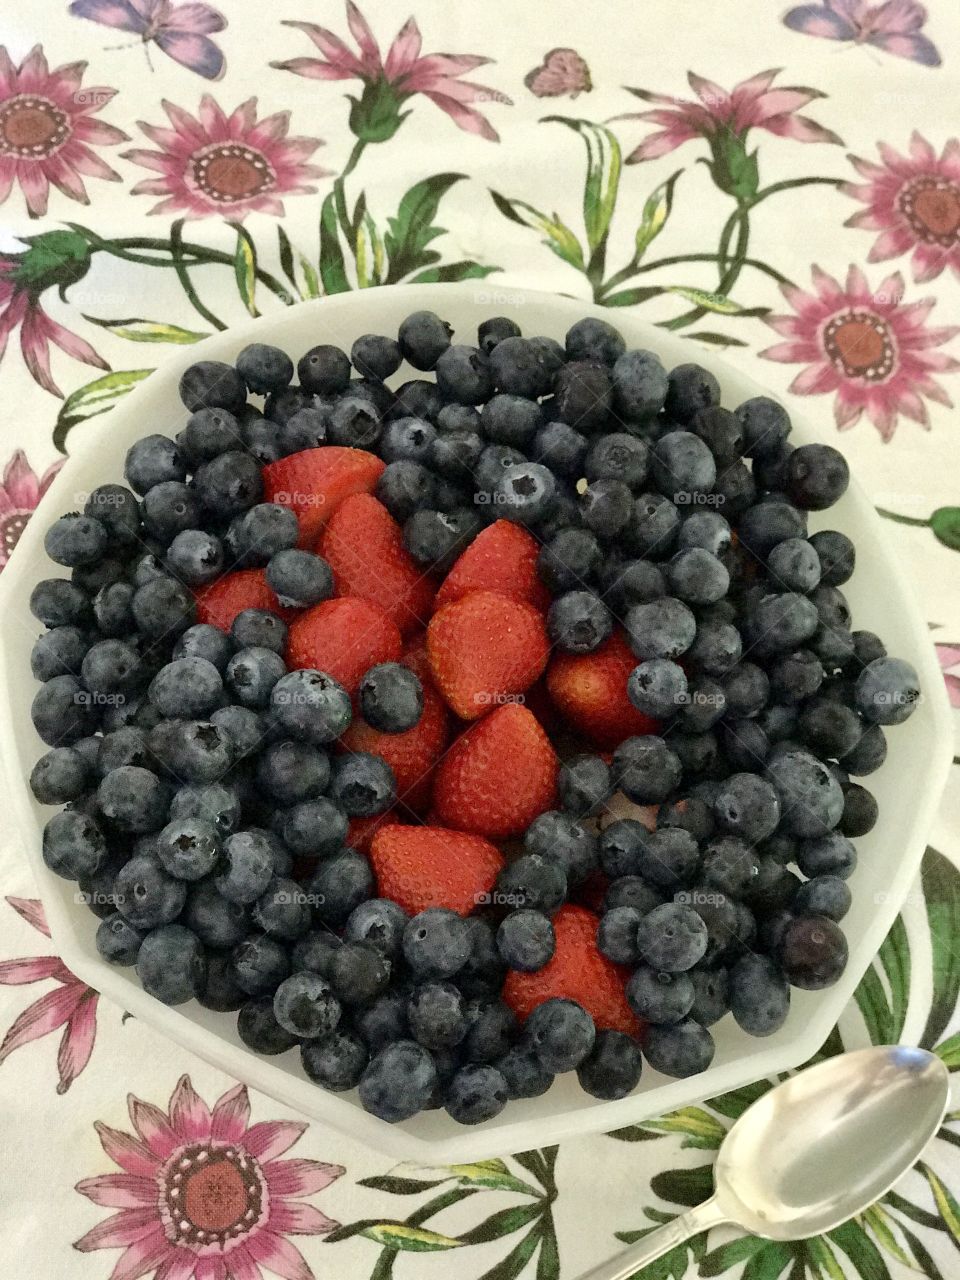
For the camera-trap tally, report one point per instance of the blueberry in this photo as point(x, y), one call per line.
point(569, 560)
point(76, 540)
point(59, 776)
point(399, 1081)
point(247, 867)
point(252, 674)
point(465, 375)
point(697, 577)
point(215, 920)
point(747, 806)
point(660, 997)
point(525, 493)
point(721, 432)
point(259, 628)
point(617, 935)
point(189, 849)
point(640, 385)
point(192, 750)
point(682, 465)
point(391, 697)
point(511, 420)
point(315, 828)
point(765, 424)
point(171, 964)
point(672, 938)
point(324, 370)
point(860, 811)
point(495, 330)
point(404, 488)
point(146, 895)
point(524, 1073)
point(811, 800)
point(315, 951)
point(260, 1031)
point(796, 676)
point(735, 489)
point(362, 784)
point(579, 622)
point(646, 769)
point(73, 845)
point(690, 388)
point(117, 509)
point(730, 865)
point(117, 940)
point(584, 784)
point(229, 483)
point(662, 628)
point(768, 523)
point(133, 799)
point(112, 611)
point(408, 439)
point(830, 854)
point(306, 429)
point(561, 1033)
point(526, 940)
point(220, 992)
point(759, 995)
point(215, 802)
point(336, 1061)
point(212, 384)
point(477, 1092)
point(151, 460)
point(781, 622)
point(483, 973)
point(593, 339)
point(186, 687)
point(264, 368)
point(560, 838)
point(260, 963)
point(162, 607)
point(606, 506)
point(268, 528)
point(291, 771)
point(517, 366)
point(813, 952)
point(311, 705)
point(621, 844)
point(533, 881)
point(455, 454)
point(583, 395)
point(561, 448)
point(304, 1005)
point(887, 691)
point(436, 1015)
point(836, 555)
point(340, 884)
point(817, 476)
point(824, 895)
point(243, 728)
point(58, 652)
point(681, 1049)
point(658, 688)
point(436, 538)
point(711, 995)
point(612, 1069)
point(379, 923)
point(423, 338)
point(668, 857)
point(436, 943)
point(383, 1020)
point(109, 666)
point(62, 711)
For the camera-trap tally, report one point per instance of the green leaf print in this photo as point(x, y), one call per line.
point(411, 229)
point(941, 890)
point(885, 1017)
point(94, 398)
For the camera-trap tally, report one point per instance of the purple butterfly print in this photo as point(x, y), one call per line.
point(893, 26)
point(182, 31)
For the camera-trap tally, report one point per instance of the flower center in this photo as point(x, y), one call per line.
point(10, 531)
point(32, 127)
point(860, 344)
point(212, 1194)
point(229, 172)
point(931, 205)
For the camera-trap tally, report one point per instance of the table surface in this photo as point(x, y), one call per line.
point(167, 169)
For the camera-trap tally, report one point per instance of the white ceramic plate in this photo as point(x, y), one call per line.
point(908, 786)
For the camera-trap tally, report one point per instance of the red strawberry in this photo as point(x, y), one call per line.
point(361, 831)
point(578, 972)
point(485, 647)
point(363, 545)
point(422, 867)
point(221, 601)
point(591, 691)
point(411, 754)
point(344, 638)
point(498, 776)
point(501, 558)
point(314, 482)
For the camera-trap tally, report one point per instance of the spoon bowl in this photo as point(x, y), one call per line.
point(813, 1152)
point(830, 1141)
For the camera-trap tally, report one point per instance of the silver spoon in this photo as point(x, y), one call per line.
point(813, 1152)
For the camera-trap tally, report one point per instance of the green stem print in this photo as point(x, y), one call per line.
point(734, 172)
point(530, 1217)
point(943, 523)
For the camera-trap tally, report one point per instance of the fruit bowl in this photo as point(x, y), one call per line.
point(908, 785)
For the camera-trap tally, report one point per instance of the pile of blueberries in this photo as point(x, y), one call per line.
point(205, 822)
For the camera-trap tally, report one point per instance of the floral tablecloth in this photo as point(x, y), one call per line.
point(781, 183)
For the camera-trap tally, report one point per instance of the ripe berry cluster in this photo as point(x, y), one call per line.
point(500, 725)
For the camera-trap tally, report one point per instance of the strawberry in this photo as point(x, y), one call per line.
point(590, 690)
point(422, 867)
point(485, 647)
point(498, 776)
point(221, 601)
point(344, 638)
point(577, 971)
point(501, 558)
point(361, 831)
point(363, 545)
point(314, 482)
point(411, 754)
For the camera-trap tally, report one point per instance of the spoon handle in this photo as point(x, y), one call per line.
point(700, 1218)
